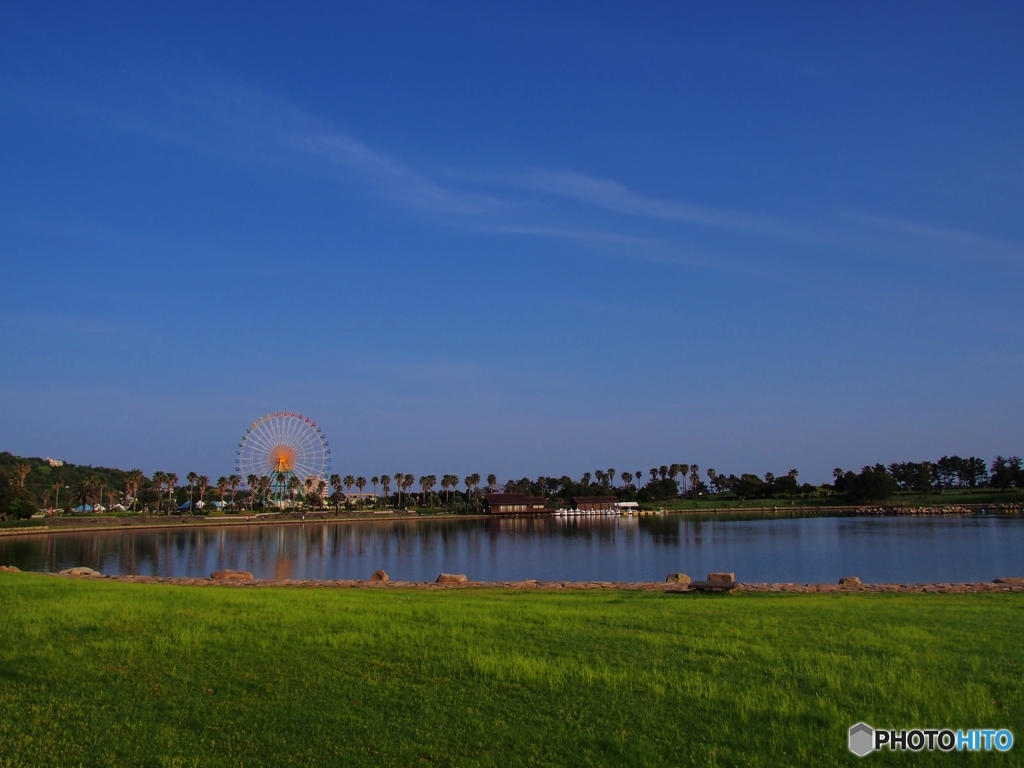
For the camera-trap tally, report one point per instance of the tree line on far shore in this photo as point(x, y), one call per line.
point(27, 485)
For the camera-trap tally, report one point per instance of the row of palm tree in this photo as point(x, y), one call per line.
point(314, 489)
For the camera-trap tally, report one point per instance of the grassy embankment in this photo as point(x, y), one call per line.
point(107, 673)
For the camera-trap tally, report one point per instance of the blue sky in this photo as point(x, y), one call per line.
point(524, 238)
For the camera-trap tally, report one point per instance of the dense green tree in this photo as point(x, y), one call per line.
point(17, 501)
point(872, 484)
point(1007, 473)
point(660, 489)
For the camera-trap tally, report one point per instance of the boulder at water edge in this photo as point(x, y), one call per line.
point(80, 571)
point(849, 581)
point(228, 575)
point(452, 578)
point(380, 575)
point(1016, 581)
point(677, 578)
point(722, 576)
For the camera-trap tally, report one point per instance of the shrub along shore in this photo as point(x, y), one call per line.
point(97, 671)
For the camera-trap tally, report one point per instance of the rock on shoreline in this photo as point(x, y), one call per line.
point(1002, 584)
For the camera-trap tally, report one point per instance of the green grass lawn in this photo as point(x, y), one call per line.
point(108, 673)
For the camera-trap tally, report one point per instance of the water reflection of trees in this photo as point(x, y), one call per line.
point(588, 546)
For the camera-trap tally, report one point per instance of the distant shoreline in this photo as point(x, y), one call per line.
point(101, 523)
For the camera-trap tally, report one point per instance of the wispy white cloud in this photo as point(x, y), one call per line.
point(211, 113)
point(971, 243)
point(613, 196)
point(396, 180)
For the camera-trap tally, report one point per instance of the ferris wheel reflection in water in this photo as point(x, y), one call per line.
point(279, 453)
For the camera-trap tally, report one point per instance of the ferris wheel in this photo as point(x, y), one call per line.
point(282, 445)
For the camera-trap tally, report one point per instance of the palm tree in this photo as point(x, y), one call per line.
point(639, 476)
point(172, 483)
point(472, 483)
point(203, 482)
point(251, 482)
point(233, 482)
point(492, 482)
point(222, 488)
point(385, 486)
point(374, 481)
point(281, 481)
point(336, 485)
point(321, 487)
point(694, 476)
point(611, 477)
point(293, 486)
point(423, 486)
point(349, 481)
point(132, 482)
point(191, 477)
point(663, 471)
point(399, 486)
point(407, 484)
point(21, 469)
point(684, 470)
point(87, 492)
point(159, 478)
point(627, 479)
point(57, 485)
point(264, 483)
point(585, 480)
point(100, 483)
point(360, 483)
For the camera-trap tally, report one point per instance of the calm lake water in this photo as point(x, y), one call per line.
point(810, 549)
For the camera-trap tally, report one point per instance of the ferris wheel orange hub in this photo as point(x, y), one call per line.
point(282, 458)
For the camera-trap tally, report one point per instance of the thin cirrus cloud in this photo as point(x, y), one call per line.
point(395, 180)
point(967, 242)
point(213, 114)
point(610, 195)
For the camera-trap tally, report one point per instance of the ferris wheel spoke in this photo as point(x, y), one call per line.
point(260, 439)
